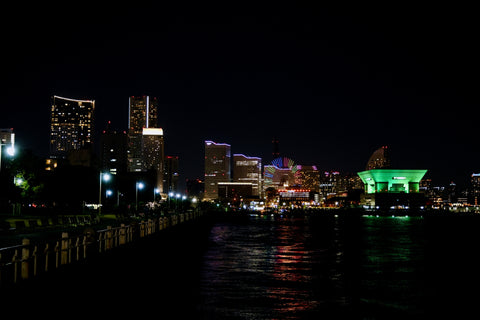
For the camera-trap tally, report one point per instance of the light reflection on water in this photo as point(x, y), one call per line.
point(265, 270)
point(298, 268)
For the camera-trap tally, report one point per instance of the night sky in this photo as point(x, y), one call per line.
point(333, 84)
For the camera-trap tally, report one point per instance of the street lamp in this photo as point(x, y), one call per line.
point(155, 192)
point(138, 186)
point(105, 177)
point(10, 151)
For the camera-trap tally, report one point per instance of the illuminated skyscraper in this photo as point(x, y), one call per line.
point(217, 167)
point(71, 125)
point(153, 153)
point(380, 159)
point(142, 113)
point(248, 169)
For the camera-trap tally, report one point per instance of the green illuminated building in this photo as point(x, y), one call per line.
point(395, 188)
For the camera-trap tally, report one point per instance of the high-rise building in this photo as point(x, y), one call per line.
point(71, 125)
point(475, 180)
point(153, 153)
point(217, 167)
point(113, 151)
point(380, 159)
point(171, 174)
point(142, 113)
point(248, 169)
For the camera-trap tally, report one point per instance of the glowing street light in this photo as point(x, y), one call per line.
point(138, 186)
point(105, 177)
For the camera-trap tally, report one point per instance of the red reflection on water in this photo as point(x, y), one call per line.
point(292, 266)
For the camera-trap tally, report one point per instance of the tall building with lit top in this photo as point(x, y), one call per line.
point(217, 167)
point(248, 169)
point(142, 113)
point(71, 125)
point(153, 153)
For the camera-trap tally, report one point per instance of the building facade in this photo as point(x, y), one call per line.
point(380, 159)
point(248, 169)
point(217, 167)
point(308, 177)
point(142, 113)
point(392, 188)
point(171, 174)
point(153, 153)
point(71, 125)
point(113, 151)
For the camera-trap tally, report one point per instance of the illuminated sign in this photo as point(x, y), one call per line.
point(294, 193)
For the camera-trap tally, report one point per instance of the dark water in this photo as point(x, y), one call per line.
point(322, 267)
point(356, 267)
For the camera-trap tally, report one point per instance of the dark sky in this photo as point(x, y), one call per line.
point(333, 84)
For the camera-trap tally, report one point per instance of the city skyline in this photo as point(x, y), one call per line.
point(332, 86)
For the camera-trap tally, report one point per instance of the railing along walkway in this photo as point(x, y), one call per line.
point(27, 260)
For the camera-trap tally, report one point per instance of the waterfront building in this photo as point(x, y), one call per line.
point(142, 113)
point(195, 188)
point(380, 159)
point(171, 174)
point(308, 177)
point(248, 169)
point(217, 167)
point(153, 153)
point(475, 194)
point(397, 188)
point(280, 173)
point(295, 197)
point(235, 192)
point(71, 125)
point(113, 151)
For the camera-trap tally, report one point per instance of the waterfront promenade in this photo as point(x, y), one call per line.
point(151, 274)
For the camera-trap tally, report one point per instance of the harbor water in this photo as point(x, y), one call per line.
point(321, 266)
point(364, 267)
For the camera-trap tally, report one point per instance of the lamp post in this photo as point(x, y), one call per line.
point(105, 177)
point(138, 186)
point(170, 195)
point(10, 152)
